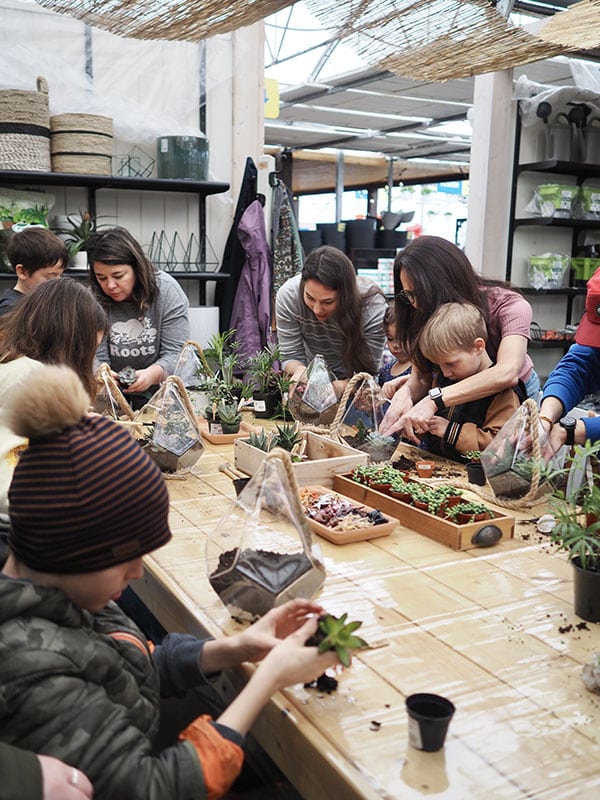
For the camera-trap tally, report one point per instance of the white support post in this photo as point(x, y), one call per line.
point(490, 181)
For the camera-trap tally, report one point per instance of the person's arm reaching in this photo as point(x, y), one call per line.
point(502, 375)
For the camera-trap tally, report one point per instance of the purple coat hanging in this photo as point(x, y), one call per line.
point(251, 313)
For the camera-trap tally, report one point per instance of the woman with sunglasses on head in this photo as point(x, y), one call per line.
point(432, 271)
point(328, 310)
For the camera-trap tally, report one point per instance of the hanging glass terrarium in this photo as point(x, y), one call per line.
point(519, 460)
point(366, 407)
point(195, 375)
point(170, 429)
point(261, 554)
point(313, 400)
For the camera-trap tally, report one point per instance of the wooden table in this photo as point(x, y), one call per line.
point(491, 629)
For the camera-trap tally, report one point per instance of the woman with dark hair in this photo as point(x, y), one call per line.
point(431, 271)
point(58, 322)
point(328, 310)
point(147, 312)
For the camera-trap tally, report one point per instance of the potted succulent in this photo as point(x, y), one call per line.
point(475, 473)
point(288, 437)
point(263, 371)
point(223, 417)
point(468, 511)
point(576, 510)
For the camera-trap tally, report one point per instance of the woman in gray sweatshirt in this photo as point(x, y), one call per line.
point(147, 312)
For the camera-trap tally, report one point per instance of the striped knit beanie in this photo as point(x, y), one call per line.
point(84, 496)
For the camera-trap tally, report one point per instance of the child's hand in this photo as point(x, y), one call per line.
point(260, 638)
point(390, 387)
point(437, 426)
point(292, 662)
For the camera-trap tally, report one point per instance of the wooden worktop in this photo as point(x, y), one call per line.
point(491, 629)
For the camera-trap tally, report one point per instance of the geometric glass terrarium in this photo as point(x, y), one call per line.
point(363, 416)
point(261, 553)
point(171, 434)
point(519, 459)
point(313, 399)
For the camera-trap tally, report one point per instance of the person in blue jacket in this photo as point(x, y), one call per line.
point(576, 375)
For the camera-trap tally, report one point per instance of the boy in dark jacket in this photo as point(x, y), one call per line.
point(36, 255)
point(78, 679)
point(454, 339)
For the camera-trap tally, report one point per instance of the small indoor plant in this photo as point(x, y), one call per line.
point(475, 473)
point(263, 370)
point(77, 234)
point(576, 509)
point(225, 415)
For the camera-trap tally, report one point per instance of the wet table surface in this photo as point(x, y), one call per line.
point(493, 629)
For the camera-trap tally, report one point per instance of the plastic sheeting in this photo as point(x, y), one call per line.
point(148, 88)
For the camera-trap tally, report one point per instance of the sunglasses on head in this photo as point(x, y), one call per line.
point(406, 297)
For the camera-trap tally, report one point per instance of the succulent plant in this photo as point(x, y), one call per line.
point(287, 437)
point(334, 633)
point(228, 413)
point(259, 440)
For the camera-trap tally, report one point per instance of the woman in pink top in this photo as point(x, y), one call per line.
point(431, 271)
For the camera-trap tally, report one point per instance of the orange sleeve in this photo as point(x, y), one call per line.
point(221, 759)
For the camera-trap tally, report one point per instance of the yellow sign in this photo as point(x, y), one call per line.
point(271, 98)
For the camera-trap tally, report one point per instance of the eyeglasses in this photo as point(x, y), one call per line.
point(406, 297)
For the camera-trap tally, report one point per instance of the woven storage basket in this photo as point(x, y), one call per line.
point(25, 129)
point(81, 143)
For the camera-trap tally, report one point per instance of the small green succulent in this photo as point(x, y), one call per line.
point(335, 633)
point(259, 440)
point(287, 436)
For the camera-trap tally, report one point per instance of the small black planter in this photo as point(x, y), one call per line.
point(265, 404)
point(475, 473)
point(586, 584)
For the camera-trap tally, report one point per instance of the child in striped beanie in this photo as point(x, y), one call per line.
point(78, 680)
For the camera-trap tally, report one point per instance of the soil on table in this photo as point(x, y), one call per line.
point(255, 581)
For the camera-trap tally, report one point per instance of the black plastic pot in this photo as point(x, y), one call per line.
point(586, 584)
point(360, 233)
point(310, 240)
point(475, 473)
point(391, 239)
point(332, 235)
point(265, 404)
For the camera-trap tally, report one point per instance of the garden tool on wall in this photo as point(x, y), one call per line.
point(543, 111)
point(577, 117)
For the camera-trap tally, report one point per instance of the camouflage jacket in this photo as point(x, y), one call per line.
point(84, 688)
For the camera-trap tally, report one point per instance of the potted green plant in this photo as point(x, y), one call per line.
point(468, 511)
point(264, 373)
point(576, 509)
point(77, 235)
point(475, 473)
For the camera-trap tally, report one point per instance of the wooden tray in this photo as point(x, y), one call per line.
point(224, 438)
point(458, 537)
point(357, 535)
point(324, 457)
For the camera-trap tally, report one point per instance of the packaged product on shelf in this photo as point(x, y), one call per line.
point(547, 270)
point(553, 201)
point(588, 203)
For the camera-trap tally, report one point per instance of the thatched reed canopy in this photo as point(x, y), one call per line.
point(432, 40)
point(185, 20)
point(579, 27)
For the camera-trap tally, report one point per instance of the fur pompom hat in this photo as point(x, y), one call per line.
point(84, 495)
